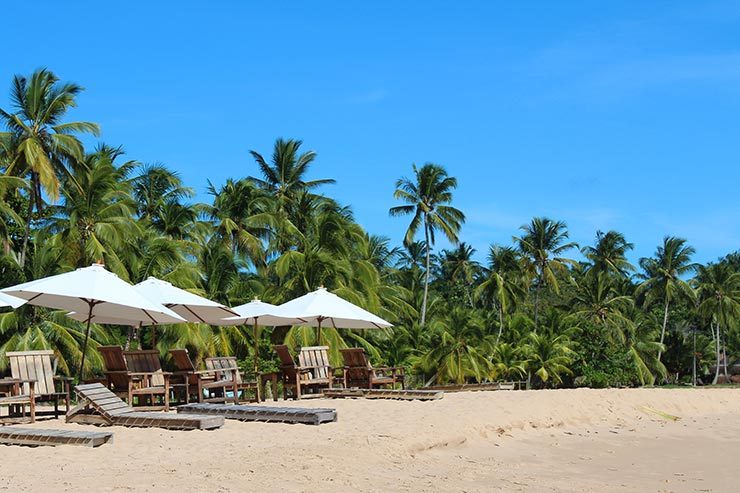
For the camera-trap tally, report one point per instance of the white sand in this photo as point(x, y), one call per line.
point(564, 440)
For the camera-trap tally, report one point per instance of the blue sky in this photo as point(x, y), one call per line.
point(625, 116)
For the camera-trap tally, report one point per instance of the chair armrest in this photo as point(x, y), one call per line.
point(64, 379)
point(145, 373)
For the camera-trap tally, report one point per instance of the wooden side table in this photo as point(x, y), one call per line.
point(15, 400)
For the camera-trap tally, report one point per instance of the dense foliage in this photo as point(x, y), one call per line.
point(531, 312)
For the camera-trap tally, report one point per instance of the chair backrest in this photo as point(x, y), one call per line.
point(316, 358)
point(182, 360)
point(113, 361)
point(286, 359)
point(145, 361)
point(357, 367)
point(226, 368)
point(34, 365)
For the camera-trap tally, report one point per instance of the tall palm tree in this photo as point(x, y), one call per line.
point(458, 267)
point(155, 186)
point(428, 197)
point(609, 253)
point(45, 148)
point(597, 302)
point(284, 176)
point(718, 287)
point(502, 282)
point(543, 243)
point(662, 276)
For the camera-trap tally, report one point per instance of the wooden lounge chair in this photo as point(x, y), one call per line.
point(297, 377)
point(186, 381)
point(11, 396)
point(316, 358)
point(226, 368)
point(359, 373)
point(41, 366)
point(98, 405)
point(136, 376)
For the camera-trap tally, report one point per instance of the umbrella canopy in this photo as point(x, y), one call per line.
point(257, 311)
point(321, 307)
point(94, 292)
point(11, 301)
point(189, 306)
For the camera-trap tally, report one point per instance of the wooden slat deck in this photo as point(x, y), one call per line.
point(479, 387)
point(11, 435)
point(408, 395)
point(310, 416)
point(98, 405)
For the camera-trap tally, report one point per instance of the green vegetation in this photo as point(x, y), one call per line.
point(533, 311)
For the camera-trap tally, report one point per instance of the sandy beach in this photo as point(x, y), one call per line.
point(560, 440)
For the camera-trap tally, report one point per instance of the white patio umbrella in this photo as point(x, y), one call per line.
point(321, 307)
point(11, 301)
point(191, 307)
point(94, 292)
point(258, 312)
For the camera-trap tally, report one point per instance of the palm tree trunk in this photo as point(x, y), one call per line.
point(536, 305)
point(29, 216)
point(662, 330)
point(500, 323)
point(426, 277)
point(724, 357)
point(716, 345)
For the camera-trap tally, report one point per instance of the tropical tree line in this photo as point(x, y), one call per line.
point(539, 309)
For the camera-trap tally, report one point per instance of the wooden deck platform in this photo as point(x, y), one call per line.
point(480, 387)
point(98, 405)
point(408, 395)
point(309, 416)
point(35, 437)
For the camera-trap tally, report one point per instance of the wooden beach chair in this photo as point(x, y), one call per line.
point(41, 367)
point(226, 369)
point(187, 381)
point(136, 376)
point(297, 377)
point(12, 397)
point(98, 405)
point(316, 358)
point(359, 373)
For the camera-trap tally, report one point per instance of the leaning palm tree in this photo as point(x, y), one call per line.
point(543, 243)
point(718, 287)
point(428, 197)
point(662, 276)
point(45, 148)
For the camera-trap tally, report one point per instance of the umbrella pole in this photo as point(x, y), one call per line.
point(257, 361)
point(319, 332)
point(84, 344)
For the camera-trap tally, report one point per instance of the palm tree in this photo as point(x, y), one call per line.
point(428, 197)
point(45, 148)
point(543, 243)
point(609, 253)
point(549, 357)
point(502, 282)
point(459, 268)
point(597, 302)
point(718, 287)
point(458, 351)
point(284, 177)
point(154, 187)
point(508, 363)
point(662, 276)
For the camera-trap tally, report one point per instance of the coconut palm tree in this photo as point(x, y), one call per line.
point(718, 287)
point(609, 254)
point(458, 351)
point(156, 186)
point(549, 357)
point(542, 245)
point(284, 177)
point(502, 282)
point(508, 363)
point(44, 147)
point(597, 302)
point(427, 197)
point(458, 268)
point(663, 276)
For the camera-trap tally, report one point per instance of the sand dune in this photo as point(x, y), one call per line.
point(563, 440)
